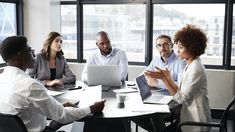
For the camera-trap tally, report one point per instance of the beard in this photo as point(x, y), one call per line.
point(106, 52)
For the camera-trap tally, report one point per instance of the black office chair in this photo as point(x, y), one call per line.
point(11, 123)
point(228, 114)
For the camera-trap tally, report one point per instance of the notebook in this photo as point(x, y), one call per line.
point(105, 75)
point(147, 96)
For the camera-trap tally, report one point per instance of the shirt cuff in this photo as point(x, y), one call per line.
point(87, 110)
point(176, 97)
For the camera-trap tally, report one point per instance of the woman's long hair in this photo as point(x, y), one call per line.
point(47, 46)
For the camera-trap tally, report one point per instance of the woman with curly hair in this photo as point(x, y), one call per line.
point(191, 92)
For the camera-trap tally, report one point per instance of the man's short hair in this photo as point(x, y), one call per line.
point(11, 46)
point(164, 36)
point(102, 33)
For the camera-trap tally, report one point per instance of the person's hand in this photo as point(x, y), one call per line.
point(166, 75)
point(55, 82)
point(68, 104)
point(153, 74)
point(97, 107)
point(152, 82)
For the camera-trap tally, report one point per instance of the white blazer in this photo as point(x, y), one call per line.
point(193, 96)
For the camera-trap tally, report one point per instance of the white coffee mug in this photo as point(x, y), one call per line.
point(121, 98)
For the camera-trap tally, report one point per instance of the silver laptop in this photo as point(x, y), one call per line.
point(105, 75)
point(147, 96)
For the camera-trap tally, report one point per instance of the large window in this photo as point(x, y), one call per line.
point(69, 30)
point(125, 25)
point(168, 18)
point(134, 25)
point(7, 21)
point(233, 40)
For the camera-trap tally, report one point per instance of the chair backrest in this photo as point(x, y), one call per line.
point(227, 114)
point(11, 123)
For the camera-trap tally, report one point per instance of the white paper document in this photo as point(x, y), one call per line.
point(150, 108)
point(54, 93)
point(90, 95)
point(125, 90)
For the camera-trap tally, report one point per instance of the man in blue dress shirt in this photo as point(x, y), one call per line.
point(167, 59)
point(106, 55)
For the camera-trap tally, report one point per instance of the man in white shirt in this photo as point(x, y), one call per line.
point(106, 55)
point(27, 98)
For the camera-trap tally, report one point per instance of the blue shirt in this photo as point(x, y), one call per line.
point(174, 64)
point(116, 57)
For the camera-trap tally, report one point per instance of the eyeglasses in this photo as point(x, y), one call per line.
point(33, 52)
point(165, 45)
point(30, 50)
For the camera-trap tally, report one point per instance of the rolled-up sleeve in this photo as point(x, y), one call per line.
point(46, 105)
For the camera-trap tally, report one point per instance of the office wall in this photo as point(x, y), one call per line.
point(221, 83)
point(40, 18)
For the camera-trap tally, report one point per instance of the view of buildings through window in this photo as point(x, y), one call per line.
point(7, 21)
point(233, 40)
point(69, 30)
point(168, 18)
point(126, 25)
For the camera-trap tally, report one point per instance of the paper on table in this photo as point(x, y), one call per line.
point(125, 90)
point(54, 93)
point(90, 95)
point(151, 108)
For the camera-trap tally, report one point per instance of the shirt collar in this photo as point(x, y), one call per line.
point(110, 54)
point(170, 58)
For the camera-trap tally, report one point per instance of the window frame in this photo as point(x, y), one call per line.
point(19, 18)
point(228, 25)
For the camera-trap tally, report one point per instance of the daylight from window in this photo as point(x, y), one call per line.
point(168, 18)
point(126, 25)
point(233, 40)
point(69, 30)
point(7, 21)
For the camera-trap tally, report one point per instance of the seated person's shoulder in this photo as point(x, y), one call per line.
point(32, 83)
point(119, 51)
point(93, 52)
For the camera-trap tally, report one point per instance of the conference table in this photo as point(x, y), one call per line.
point(115, 116)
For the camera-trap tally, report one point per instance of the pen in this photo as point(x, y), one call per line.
point(79, 87)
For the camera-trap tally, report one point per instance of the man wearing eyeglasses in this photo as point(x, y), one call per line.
point(167, 60)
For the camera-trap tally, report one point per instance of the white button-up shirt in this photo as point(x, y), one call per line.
point(25, 97)
point(116, 57)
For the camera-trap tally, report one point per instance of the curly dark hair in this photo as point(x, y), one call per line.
point(193, 39)
point(46, 46)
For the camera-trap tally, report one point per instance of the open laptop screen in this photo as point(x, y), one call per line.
point(106, 75)
point(143, 87)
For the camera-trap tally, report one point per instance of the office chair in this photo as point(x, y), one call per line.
point(11, 123)
point(228, 114)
